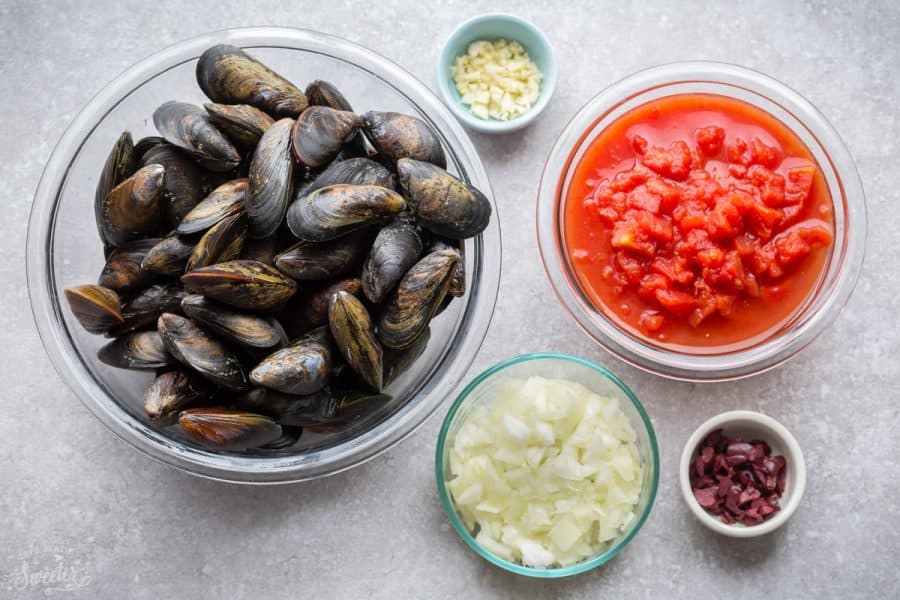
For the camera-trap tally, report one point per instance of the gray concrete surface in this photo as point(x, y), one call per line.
point(124, 526)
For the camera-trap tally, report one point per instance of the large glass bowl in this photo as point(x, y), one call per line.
point(842, 267)
point(556, 366)
point(64, 250)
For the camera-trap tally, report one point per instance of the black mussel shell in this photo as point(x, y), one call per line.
point(188, 127)
point(229, 75)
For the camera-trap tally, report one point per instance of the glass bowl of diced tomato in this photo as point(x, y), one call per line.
point(701, 221)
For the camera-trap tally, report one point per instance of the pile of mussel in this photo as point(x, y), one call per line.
point(273, 255)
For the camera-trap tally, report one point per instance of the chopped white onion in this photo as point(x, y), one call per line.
point(496, 80)
point(547, 472)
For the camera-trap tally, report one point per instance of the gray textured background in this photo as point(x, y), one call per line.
point(143, 530)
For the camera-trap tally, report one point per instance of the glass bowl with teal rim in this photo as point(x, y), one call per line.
point(556, 366)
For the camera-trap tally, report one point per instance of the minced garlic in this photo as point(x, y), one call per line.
point(496, 80)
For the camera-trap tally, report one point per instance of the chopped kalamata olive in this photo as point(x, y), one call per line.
point(739, 480)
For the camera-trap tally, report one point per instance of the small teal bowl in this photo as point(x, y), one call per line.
point(561, 366)
point(492, 27)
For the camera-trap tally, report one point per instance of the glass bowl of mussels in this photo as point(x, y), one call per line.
point(263, 255)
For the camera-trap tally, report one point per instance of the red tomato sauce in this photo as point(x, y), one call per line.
point(698, 223)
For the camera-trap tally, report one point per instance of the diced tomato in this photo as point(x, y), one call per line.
point(653, 226)
point(651, 321)
point(791, 247)
point(676, 302)
point(771, 185)
point(669, 194)
point(736, 152)
point(725, 220)
point(799, 184)
point(626, 181)
point(629, 266)
point(644, 199)
point(762, 220)
point(761, 154)
point(650, 284)
point(817, 235)
point(764, 262)
point(674, 162)
point(609, 214)
point(710, 140)
point(737, 171)
point(676, 270)
point(797, 242)
point(713, 257)
point(639, 144)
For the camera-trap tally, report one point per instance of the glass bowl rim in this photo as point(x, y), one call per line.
point(461, 528)
point(46, 310)
point(770, 352)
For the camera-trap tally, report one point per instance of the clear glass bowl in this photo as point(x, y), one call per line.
point(559, 366)
point(64, 250)
point(841, 269)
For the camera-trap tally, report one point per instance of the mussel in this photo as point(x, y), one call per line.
point(271, 180)
point(193, 347)
point(188, 127)
point(131, 210)
point(442, 203)
point(145, 144)
point(416, 299)
point(142, 350)
point(144, 308)
point(97, 308)
point(247, 329)
point(353, 171)
point(396, 248)
point(170, 393)
point(168, 256)
point(315, 311)
point(323, 93)
point(354, 335)
point(184, 181)
point(457, 287)
point(320, 132)
point(396, 136)
point(123, 271)
point(244, 284)
point(228, 429)
point(301, 367)
point(225, 200)
point(289, 409)
point(241, 123)
point(229, 75)
point(309, 261)
point(120, 165)
point(222, 242)
point(334, 211)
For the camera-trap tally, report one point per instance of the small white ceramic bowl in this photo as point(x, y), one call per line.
point(747, 425)
point(491, 27)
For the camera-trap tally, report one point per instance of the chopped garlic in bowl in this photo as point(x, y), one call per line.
point(545, 472)
point(496, 80)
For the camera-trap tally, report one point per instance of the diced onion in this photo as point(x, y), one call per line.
point(496, 80)
point(546, 472)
